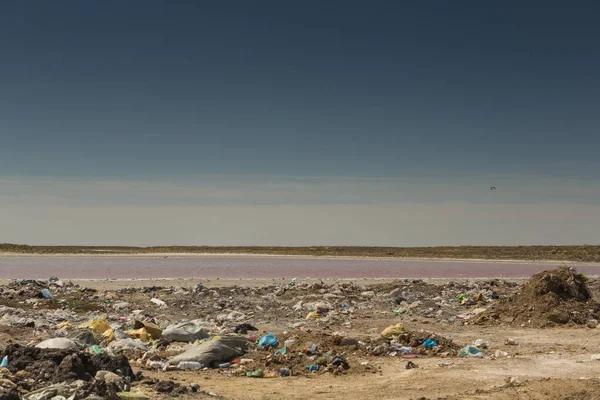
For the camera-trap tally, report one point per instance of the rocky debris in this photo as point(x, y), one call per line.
point(555, 297)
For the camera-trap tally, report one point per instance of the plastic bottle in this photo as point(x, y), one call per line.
point(225, 365)
point(190, 365)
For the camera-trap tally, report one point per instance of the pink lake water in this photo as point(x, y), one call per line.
point(115, 267)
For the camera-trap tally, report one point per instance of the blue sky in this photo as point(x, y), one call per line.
point(313, 104)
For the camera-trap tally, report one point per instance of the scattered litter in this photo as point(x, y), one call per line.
point(268, 340)
point(191, 365)
point(154, 331)
point(255, 374)
point(186, 331)
point(393, 330)
point(159, 302)
point(500, 354)
point(411, 365)
point(312, 315)
point(219, 349)
point(470, 351)
point(58, 343)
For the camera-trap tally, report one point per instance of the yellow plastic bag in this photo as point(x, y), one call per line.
point(393, 330)
point(151, 328)
point(139, 334)
point(99, 326)
point(109, 335)
point(312, 315)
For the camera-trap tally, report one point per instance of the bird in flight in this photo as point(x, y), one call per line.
point(492, 187)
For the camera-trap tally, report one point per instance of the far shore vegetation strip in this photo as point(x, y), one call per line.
point(583, 253)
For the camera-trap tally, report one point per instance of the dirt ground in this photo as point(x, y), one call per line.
point(559, 253)
point(550, 363)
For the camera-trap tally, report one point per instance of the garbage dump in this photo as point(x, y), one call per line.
point(84, 342)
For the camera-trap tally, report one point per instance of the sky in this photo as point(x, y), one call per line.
point(299, 123)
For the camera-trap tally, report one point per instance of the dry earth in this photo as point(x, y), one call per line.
point(584, 253)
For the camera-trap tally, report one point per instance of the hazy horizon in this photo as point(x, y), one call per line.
point(336, 123)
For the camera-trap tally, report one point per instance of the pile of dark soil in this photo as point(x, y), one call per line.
point(32, 368)
point(54, 365)
point(559, 296)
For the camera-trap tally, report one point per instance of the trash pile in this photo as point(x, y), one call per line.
point(397, 341)
point(73, 341)
point(559, 296)
point(450, 302)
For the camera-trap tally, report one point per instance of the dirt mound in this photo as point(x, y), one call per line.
point(559, 296)
point(33, 368)
point(54, 365)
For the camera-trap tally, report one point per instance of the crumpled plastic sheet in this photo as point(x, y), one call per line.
point(59, 391)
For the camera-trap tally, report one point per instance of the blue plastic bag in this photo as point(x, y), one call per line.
point(47, 294)
point(268, 340)
point(4, 362)
point(470, 351)
point(430, 344)
point(313, 367)
point(282, 351)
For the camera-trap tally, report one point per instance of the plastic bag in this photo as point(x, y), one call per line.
point(99, 326)
point(470, 351)
point(393, 330)
point(58, 343)
point(186, 331)
point(219, 349)
point(141, 334)
point(268, 340)
point(312, 315)
point(282, 351)
point(151, 328)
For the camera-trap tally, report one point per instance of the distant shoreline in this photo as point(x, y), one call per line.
point(294, 256)
point(545, 254)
